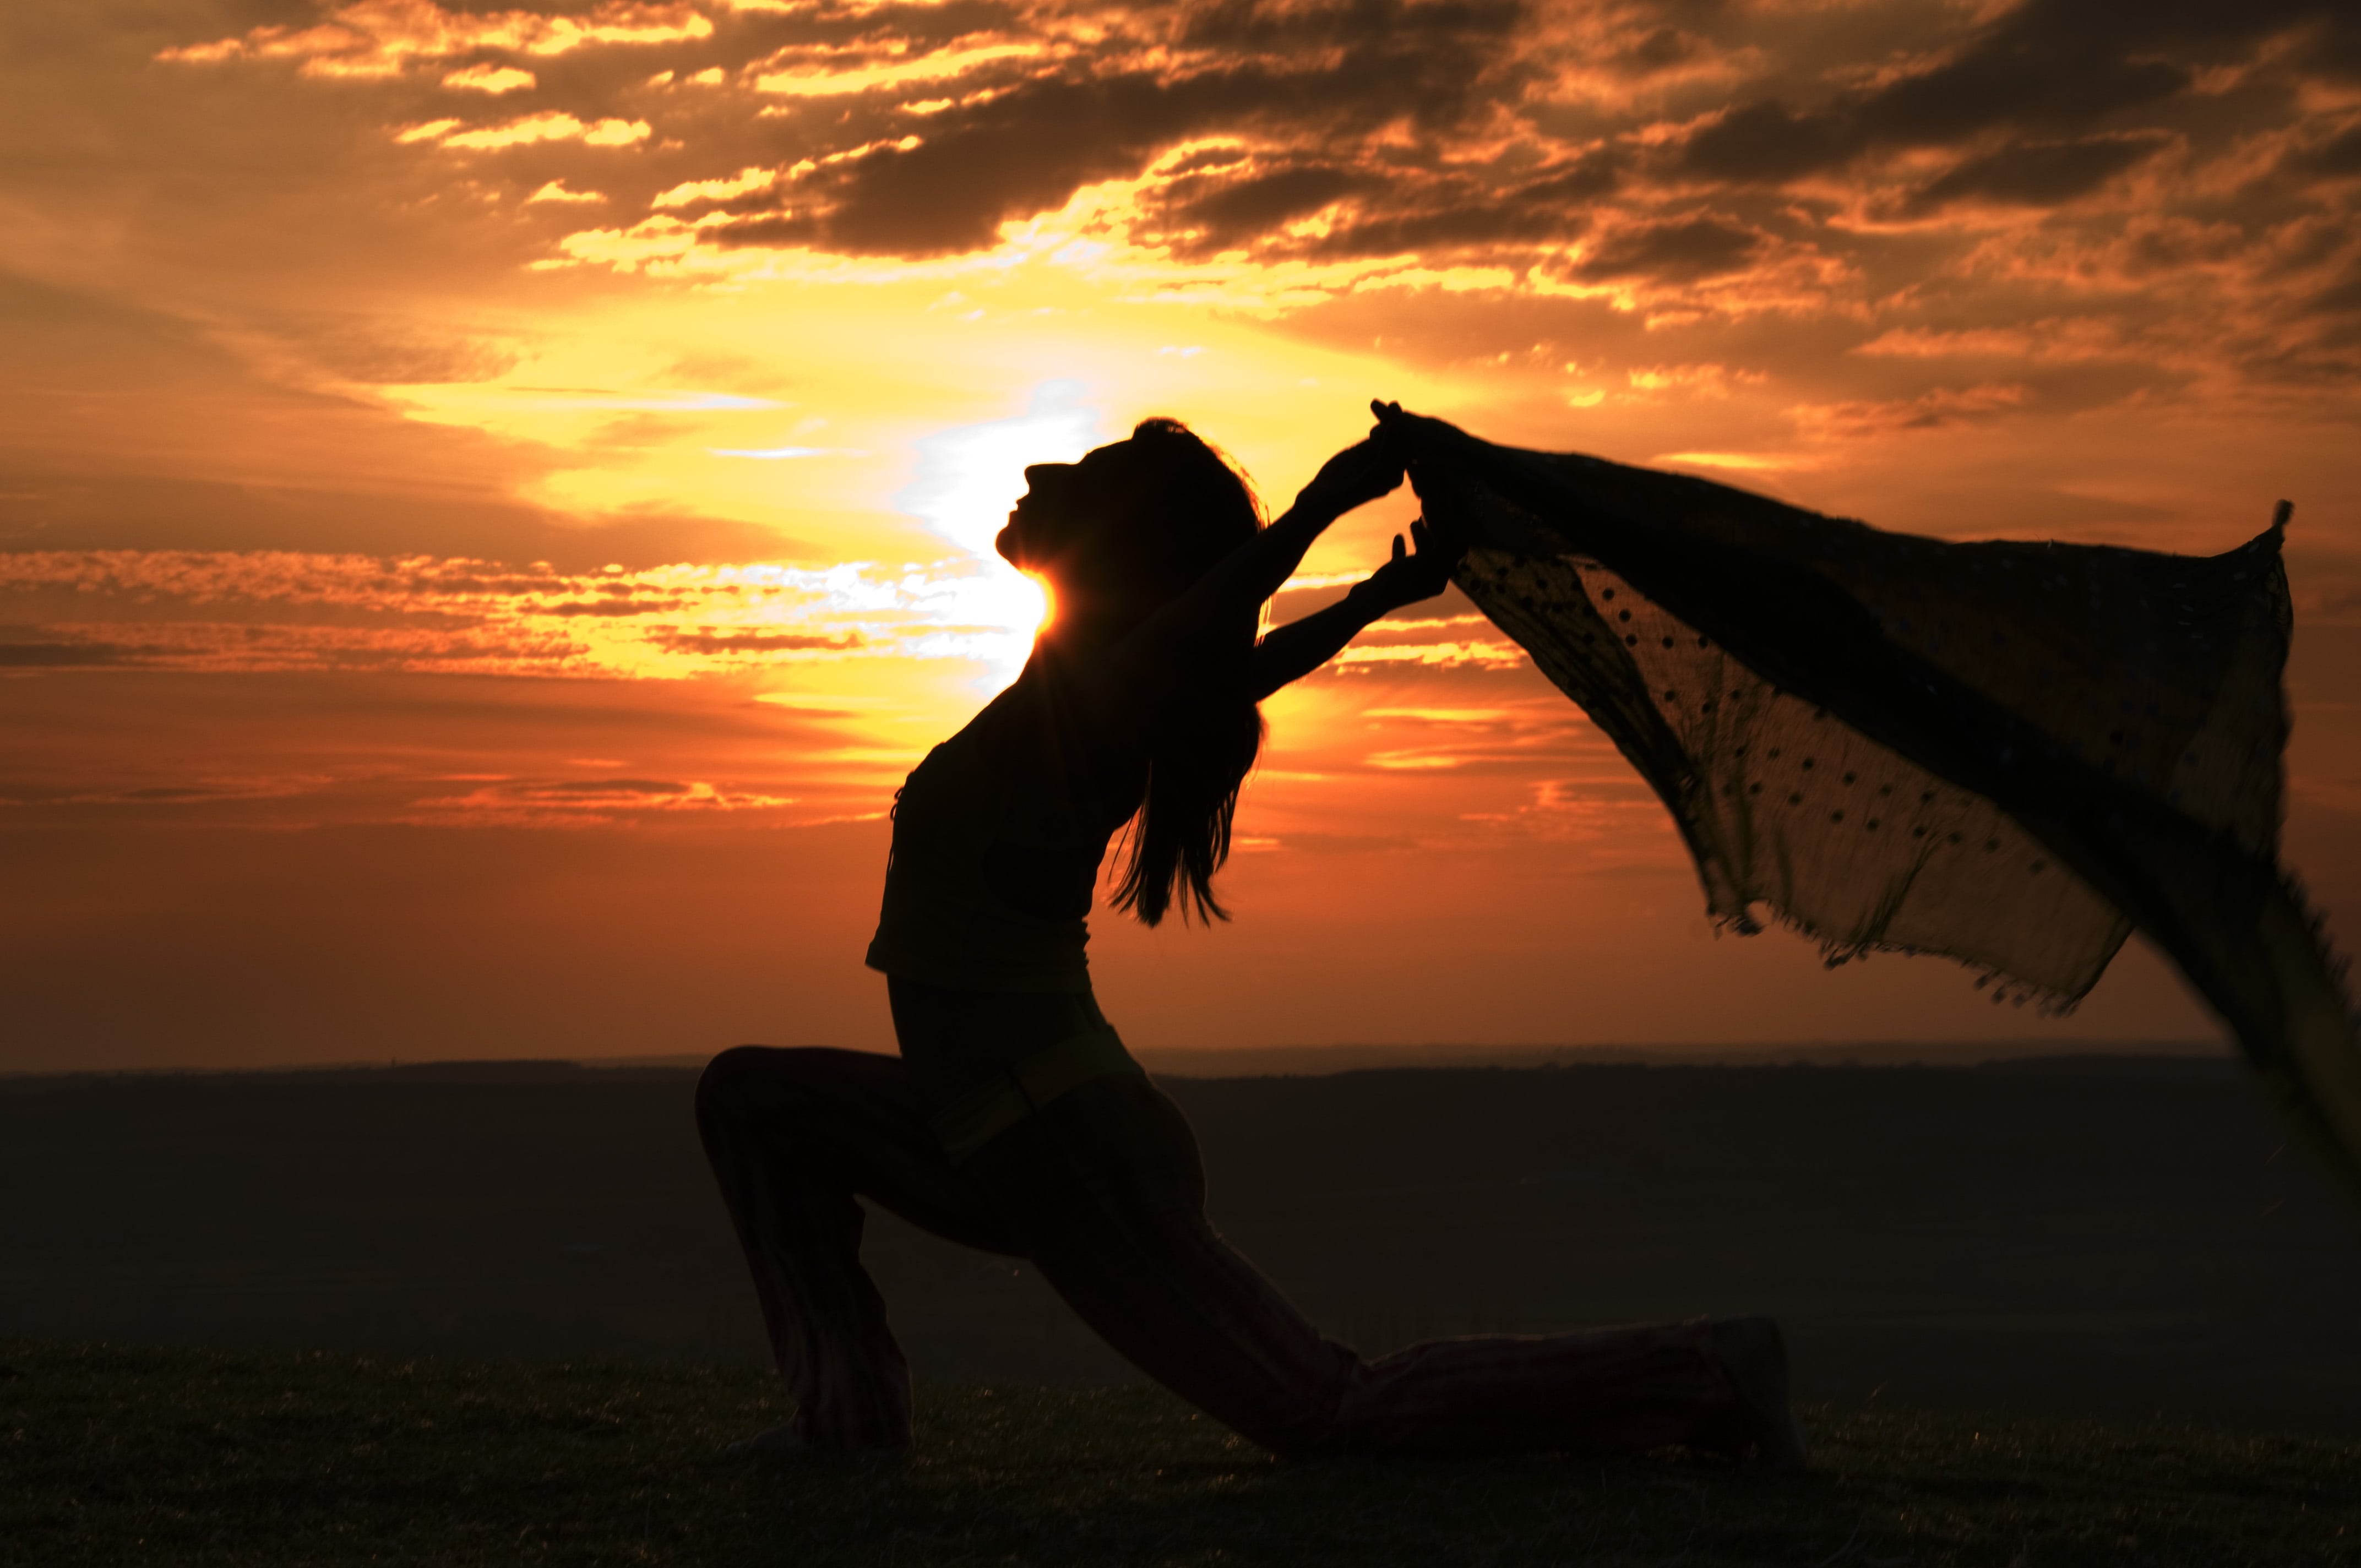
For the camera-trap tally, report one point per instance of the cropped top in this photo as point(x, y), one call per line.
point(998, 840)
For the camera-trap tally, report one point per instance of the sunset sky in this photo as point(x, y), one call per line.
point(493, 500)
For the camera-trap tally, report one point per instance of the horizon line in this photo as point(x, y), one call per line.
point(1316, 1059)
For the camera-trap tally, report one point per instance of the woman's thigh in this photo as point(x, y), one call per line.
point(851, 1120)
point(1103, 1190)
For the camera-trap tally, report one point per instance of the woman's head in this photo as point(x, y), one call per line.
point(1130, 525)
point(1118, 534)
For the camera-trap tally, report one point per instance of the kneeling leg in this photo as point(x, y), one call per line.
point(795, 1138)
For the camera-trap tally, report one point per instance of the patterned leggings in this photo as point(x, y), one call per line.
point(1102, 1191)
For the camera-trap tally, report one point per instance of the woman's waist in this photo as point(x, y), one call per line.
point(959, 1019)
point(954, 1037)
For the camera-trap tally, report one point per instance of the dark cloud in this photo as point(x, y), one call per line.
point(2335, 50)
point(1395, 209)
point(1682, 250)
point(770, 228)
point(2167, 246)
point(57, 655)
point(1457, 133)
point(1446, 230)
point(1356, 26)
point(2039, 103)
point(2055, 73)
point(2344, 295)
point(1659, 50)
point(2068, 65)
point(1312, 78)
point(2012, 82)
point(1265, 201)
point(767, 32)
point(2340, 155)
point(1767, 143)
point(1596, 173)
point(1023, 152)
point(2041, 174)
point(1206, 157)
point(2206, 27)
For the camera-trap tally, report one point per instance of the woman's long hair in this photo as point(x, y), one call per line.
point(1191, 509)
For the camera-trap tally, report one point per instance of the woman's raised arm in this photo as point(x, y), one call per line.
point(1212, 608)
point(1255, 570)
point(1292, 652)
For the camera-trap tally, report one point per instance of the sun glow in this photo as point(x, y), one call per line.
point(1032, 605)
point(969, 477)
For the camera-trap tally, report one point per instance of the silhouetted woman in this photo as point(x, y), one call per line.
point(1014, 1120)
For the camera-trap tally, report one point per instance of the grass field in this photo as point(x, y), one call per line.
point(117, 1456)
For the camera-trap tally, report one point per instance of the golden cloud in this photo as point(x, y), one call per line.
point(551, 125)
point(556, 191)
point(384, 38)
point(495, 80)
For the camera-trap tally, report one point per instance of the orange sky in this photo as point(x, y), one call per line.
point(491, 500)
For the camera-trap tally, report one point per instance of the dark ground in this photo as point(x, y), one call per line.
point(2121, 1239)
point(220, 1459)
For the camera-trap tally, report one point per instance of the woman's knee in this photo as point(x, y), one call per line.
point(809, 1086)
point(731, 1080)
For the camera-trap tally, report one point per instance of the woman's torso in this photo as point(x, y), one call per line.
point(997, 838)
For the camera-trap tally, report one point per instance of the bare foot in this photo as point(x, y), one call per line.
point(1755, 1355)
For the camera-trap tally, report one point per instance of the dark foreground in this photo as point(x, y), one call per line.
point(115, 1456)
point(2121, 1240)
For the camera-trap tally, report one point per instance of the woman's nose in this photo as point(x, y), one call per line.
point(1041, 474)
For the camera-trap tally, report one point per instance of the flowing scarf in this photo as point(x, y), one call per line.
point(2011, 754)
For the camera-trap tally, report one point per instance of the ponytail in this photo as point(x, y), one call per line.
point(1197, 511)
point(1182, 835)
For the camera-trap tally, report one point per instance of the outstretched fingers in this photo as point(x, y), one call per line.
point(1444, 546)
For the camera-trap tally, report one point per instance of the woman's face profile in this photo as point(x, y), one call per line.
point(1063, 504)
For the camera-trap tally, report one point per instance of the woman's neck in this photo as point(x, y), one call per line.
point(1071, 636)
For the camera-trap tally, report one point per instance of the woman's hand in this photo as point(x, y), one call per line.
point(1408, 579)
point(1297, 648)
point(1355, 476)
point(1236, 585)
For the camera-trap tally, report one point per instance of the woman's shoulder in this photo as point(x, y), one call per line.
point(1061, 724)
point(1026, 721)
